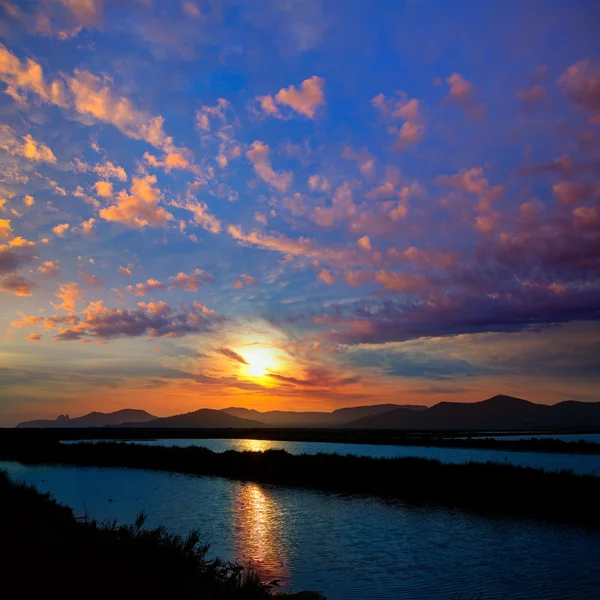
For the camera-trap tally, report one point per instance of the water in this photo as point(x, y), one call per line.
point(347, 547)
point(579, 463)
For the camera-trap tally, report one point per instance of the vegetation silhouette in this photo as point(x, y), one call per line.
point(459, 439)
point(50, 552)
point(488, 487)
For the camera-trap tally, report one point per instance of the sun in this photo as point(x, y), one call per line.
point(259, 360)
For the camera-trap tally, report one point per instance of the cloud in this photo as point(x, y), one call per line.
point(243, 281)
point(91, 280)
point(304, 101)
point(28, 201)
point(581, 83)
point(20, 242)
point(29, 148)
point(29, 77)
point(125, 271)
point(318, 182)
point(88, 95)
point(412, 131)
point(153, 319)
point(316, 377)
point(17, 285)
point(453, 314)
point(50, 267)
point(143, 289)
point(532, 98)
point(473, 182)
point(104, 189)
point(34, 337)
point(70, 294)
point(190, 282)
point(5, 228)
point(106, 170)
point(140, 208)
point(201, 214)
point(258, 155)
point(365, 243)
point(232, 354)
point(326, 277)
point(60, 230)
point(11, 260)
point(86, 228)
point(569, 192)
point(464, 95)
point(175, 159)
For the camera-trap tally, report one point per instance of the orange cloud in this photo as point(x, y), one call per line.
point(70, 295)
point(28, 201)
point(20, 242)
point(104, 189)
point(5, 228)
point(50, 267)
point(59, 230)
point(29, 148)
point(34, 337)
point(140, 208)
point(87, 227)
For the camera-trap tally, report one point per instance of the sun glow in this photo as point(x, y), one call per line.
point(260, 360)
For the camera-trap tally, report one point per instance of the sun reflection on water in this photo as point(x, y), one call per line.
point(256, 445)
point(260, 535)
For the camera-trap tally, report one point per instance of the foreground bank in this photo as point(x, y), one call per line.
point(489, 487)
point(50, 552)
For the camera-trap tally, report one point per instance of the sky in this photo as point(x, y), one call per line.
point(297, 204)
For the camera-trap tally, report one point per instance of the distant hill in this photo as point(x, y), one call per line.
point(93, 419)
point(281, 418)
point(204, 418)
point(495, 414)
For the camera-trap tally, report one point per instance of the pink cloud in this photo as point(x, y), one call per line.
point(258, 155)
point(190, 282)
point(143, 289)
point(581, 83)
point(464, 94)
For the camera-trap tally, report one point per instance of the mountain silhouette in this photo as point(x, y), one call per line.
point(203, 418)
point(282, 418)
point(494, 414)
point(93, 419)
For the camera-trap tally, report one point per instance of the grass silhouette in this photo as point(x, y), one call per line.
point(50, 553)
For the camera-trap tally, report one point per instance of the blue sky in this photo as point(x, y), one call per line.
point(296, 204)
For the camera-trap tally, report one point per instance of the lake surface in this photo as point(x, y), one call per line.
point(579, 463)
point(347, 547)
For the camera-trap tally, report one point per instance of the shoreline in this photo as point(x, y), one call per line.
point(46, 541)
